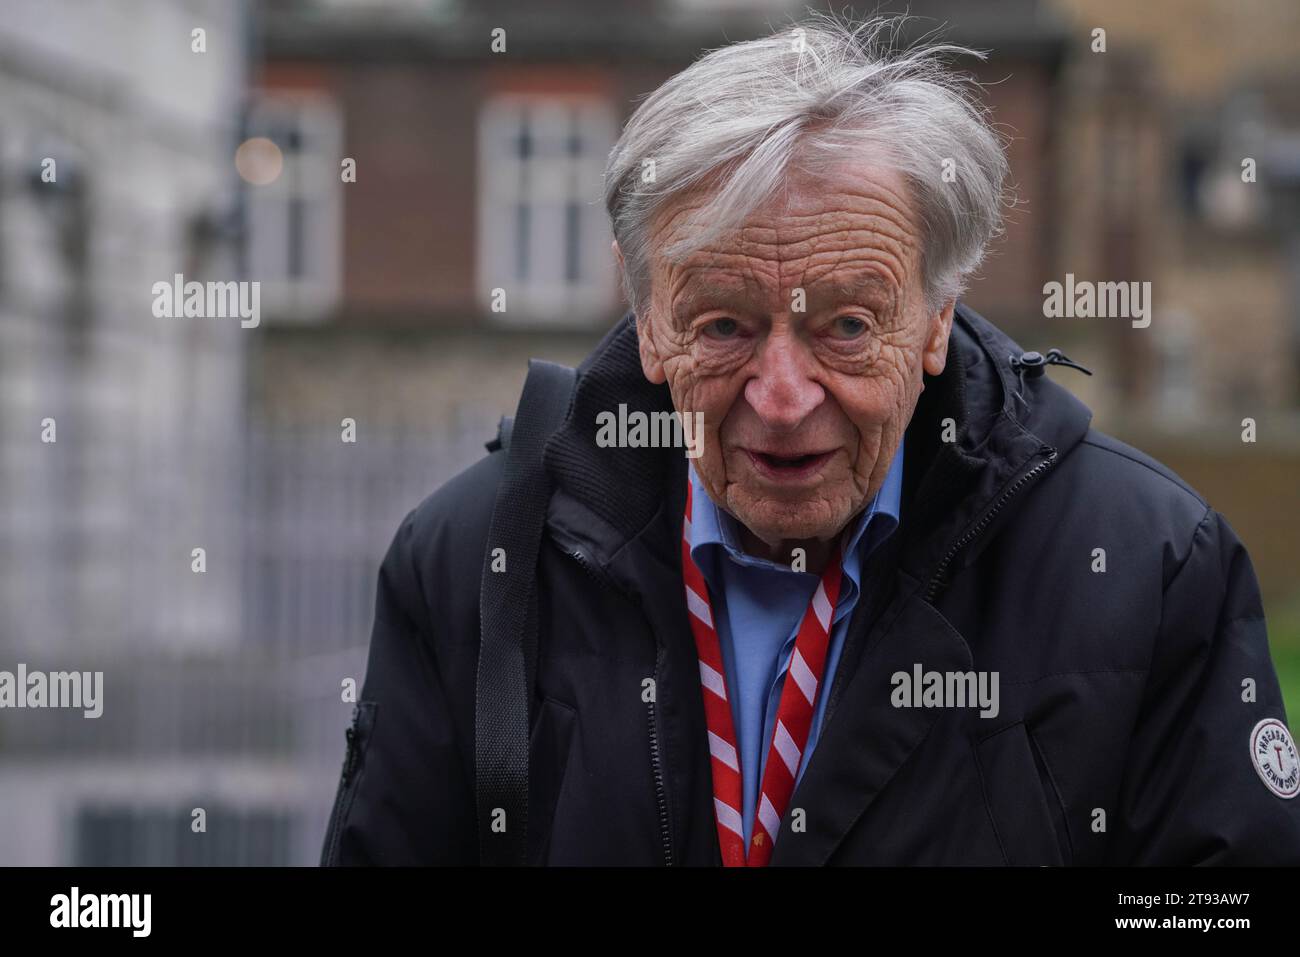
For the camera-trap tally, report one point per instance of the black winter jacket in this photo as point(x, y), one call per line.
point(1124, 734)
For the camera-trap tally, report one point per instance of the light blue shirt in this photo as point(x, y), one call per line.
point(764, 602)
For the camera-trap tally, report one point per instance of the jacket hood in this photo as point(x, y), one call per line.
point(1007, 426)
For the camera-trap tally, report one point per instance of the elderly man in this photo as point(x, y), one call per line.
point(895, 603)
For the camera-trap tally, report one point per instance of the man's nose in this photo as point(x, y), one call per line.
point(784, 393)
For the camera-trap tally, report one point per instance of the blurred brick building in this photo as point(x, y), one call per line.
point(479, 158)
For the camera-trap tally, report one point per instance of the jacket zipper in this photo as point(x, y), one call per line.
point(656, 766)
point(661, 793)
point(344, 797)
point(936, 580)
point(589, 566)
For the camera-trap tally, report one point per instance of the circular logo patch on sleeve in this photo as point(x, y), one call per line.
point(1274, 755)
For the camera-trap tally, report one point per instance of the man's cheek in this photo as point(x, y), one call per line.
point(701, 415)
point(880, 395)
point(703, 394)
point(696, 434)
point(893, 363)
point(712, 458)
point(711, 453)
point(713, 468)
point(683, 382)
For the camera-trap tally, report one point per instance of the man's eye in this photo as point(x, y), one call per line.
point(848, 327)
point(721, 328)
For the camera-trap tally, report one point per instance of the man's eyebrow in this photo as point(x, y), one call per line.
point(706, 294)
point(852, 287)
point(700, 295)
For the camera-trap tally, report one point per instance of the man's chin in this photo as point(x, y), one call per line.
point(785, 527)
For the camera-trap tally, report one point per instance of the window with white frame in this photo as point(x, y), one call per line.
point(543, 237)
point(295, 221)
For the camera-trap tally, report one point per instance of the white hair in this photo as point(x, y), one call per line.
point(829, 90)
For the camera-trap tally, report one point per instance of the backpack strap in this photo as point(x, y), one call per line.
point(508, 617)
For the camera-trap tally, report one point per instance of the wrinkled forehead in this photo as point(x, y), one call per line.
point(849, 232)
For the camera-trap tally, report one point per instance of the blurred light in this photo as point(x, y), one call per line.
point(259, 161)
point(1228, 202)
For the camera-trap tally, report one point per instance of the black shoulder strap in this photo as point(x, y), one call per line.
point(508, 617)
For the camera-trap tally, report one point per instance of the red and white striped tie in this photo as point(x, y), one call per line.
point(793, 718)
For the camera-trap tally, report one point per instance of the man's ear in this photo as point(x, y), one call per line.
point(935, 354)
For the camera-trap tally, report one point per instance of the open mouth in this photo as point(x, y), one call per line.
point(788, 466)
